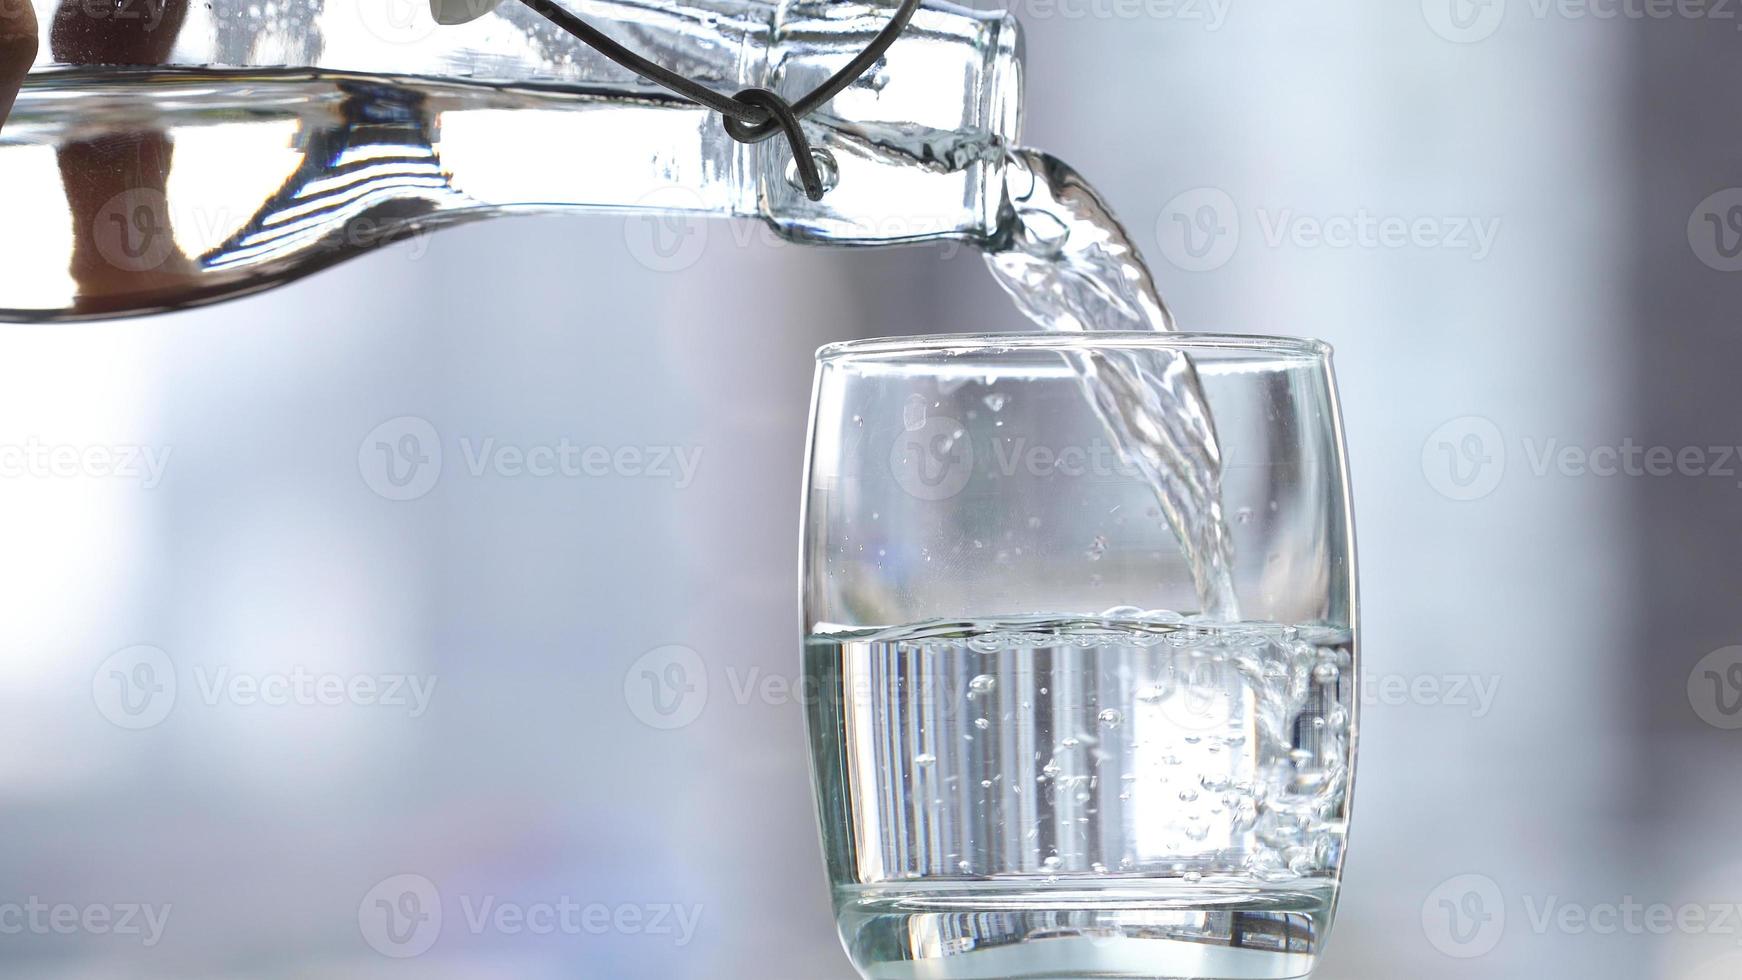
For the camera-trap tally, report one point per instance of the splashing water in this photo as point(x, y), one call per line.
point(1072, 268)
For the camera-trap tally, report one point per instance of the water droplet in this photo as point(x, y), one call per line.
point(827, 170)
point(996, 401)
point(1111, 717)
point(982, 724)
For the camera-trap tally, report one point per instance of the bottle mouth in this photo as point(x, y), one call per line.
point(1211, 345)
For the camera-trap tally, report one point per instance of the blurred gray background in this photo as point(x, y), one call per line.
point(1550, 772)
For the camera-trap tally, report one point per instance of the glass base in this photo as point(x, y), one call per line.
point(998, 931)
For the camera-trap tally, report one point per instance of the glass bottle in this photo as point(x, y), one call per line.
point(163, 153)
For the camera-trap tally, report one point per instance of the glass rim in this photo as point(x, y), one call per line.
point(950, 345)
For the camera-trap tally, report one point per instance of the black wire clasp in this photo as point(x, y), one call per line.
point(754, 114)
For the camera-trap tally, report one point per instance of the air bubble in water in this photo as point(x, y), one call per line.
point(1111, 717)
point(983, 684)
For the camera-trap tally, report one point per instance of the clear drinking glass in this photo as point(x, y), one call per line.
point(1036, 753)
